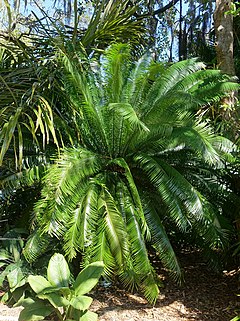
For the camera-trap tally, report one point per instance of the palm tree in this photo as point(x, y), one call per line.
point(34, 121)
point(29, 75)
point(141, 161)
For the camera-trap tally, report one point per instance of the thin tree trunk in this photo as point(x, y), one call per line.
point(225, 59)
point(224, 36)
point(180, 40)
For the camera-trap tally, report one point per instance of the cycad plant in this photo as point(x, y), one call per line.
point(34, 120)
point(142, 162)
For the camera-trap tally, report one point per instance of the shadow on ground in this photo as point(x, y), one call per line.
point(205, 296)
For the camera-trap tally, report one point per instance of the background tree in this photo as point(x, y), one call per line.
point(223, 23)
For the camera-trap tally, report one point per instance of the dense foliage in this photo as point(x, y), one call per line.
point(111, 155)
point(58, 296)
point(142, 160)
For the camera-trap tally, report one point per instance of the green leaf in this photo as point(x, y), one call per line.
point(55, 299)
point(18, 294)
point(58, 271)
point(89, 316)
point(88, 278)
point(24, 302)
point(81, 302)
point(35, 311)
point(15, 278)
point(38, 283)
point(4, 255)
point(65, 291)
point(115, 228)
point(7, 135)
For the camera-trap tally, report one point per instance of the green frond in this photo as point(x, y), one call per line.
point(141, 82)
point(166, 181)
point(150, 288)
point(82, 221)
point(83, 95)
point(121, 123)
point(115, 227)
point(161, 241)
point(116, 69)
point(138, 267)
point(199, 137)
point(112, 22)
point(27, 177)
point(137, 81)
point(160, 136)
point(131, 186)
point(36, 245)
point(213, 91)
point(225, 148)
point(177, 72)
point(100, 249)
point(210, 229)
point(126, 111)
point(171, 107)
point(167, 80)
point(7, 133)
point(62, 181)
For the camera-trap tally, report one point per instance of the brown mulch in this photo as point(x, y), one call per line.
point(205, 296)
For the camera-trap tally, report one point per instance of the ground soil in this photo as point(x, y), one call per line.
point(205, 296)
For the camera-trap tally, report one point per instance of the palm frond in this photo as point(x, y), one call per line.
point(137, 203)
point(99, 249)
point(139, 267)
point(116, 71)
point(36, 245)
point(61, 182)
point(169, 194)
point(169, 78)
point(82, 220)
point(113, 21)
point(126, 111)
point(161, 241)
point(115, 227)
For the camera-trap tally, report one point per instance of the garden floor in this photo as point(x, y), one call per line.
point(205, 296)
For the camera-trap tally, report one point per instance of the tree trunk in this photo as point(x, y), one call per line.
point(224, 36)
point(225, 59)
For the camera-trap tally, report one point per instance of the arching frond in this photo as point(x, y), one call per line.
point(161, 241)
point(172, 197)
point(114, 227)
point(139, 268)
point(81, 221)
point(62, 181)
point(36, 245)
